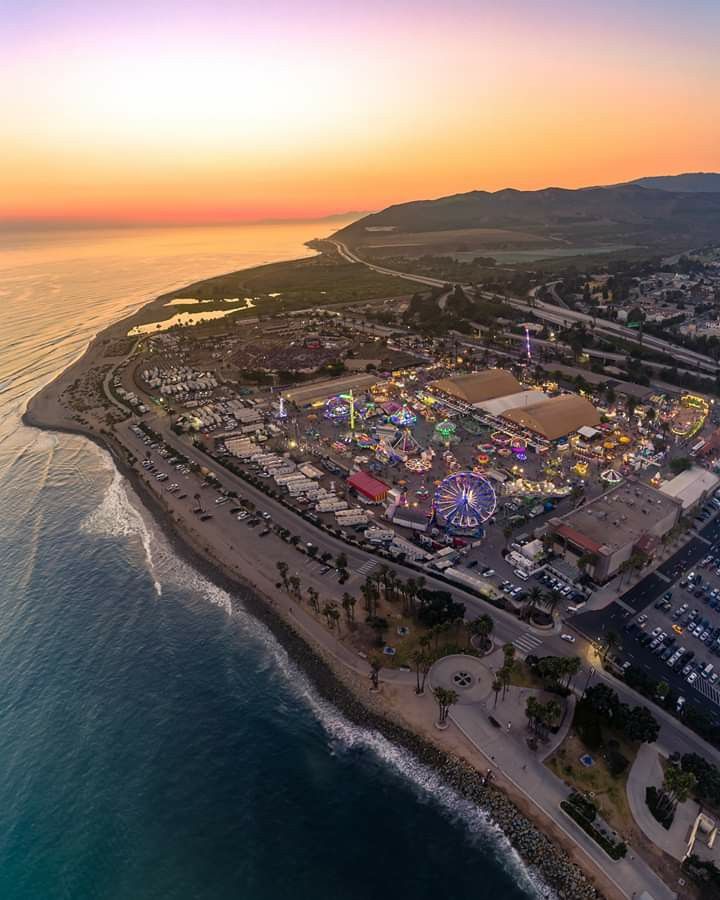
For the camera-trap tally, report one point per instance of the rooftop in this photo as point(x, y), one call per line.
point(478, 387)
point(690, 486)
point(555, 417)
point(618, 517)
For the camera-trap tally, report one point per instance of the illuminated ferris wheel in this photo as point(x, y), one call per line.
point(464, 502)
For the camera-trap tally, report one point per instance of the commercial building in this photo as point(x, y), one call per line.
point(555, 417)
point(478, 387)
point(691, 487)
point(628, 520)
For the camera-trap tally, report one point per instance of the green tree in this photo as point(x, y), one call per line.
point(445, 699)
point(481, 627)
point(282, 568)
point(348, 604)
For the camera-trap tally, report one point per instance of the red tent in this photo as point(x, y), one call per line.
point(368, 486)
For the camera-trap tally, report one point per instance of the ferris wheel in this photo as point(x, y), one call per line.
point(464, 502)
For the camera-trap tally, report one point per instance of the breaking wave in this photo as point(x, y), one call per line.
point(118, 516)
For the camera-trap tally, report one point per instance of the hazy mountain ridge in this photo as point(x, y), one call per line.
point(640, 210)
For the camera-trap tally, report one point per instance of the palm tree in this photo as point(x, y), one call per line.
point(199, 504)
point(551, 713)
point(612, 640)
point(571, 666)
point(481, 627)
point(313, 598)
point(445, 699)
point(550, 601)
point(375, 672)
point(533, 601)
point(422, 663)
point(505, 674)
point(497, 687)
point(348, 604)
point(282, 568)
point(295, 584)
point(330, 611)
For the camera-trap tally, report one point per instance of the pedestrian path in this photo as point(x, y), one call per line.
point(367, 567)
point(708, 690)
point(527, 643)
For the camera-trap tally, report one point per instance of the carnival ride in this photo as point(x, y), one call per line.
point(406, 443)
point(610, 476)
point(463, 502)
point(445, 432)
point(403, 417)
point(689, 416)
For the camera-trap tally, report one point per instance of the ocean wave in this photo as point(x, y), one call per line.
point(117, 515)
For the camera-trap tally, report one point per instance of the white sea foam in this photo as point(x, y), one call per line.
point(118, 516)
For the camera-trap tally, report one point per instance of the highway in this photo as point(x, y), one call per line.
point(553, 314)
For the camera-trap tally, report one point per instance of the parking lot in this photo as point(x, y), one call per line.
point(674, 631)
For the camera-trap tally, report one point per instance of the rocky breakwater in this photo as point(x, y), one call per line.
point(550, 861)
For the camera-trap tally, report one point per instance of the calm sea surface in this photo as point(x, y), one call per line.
point(155, 740)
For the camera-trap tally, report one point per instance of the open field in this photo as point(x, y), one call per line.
point(281, 287)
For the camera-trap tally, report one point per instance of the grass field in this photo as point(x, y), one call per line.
point(319, 281)
point(608, 791)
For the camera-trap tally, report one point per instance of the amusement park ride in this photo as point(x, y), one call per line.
point(463, 503)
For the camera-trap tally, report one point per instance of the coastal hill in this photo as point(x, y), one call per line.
point(689, 183)
point(665, 212)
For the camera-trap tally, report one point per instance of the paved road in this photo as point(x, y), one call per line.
point(552, 314)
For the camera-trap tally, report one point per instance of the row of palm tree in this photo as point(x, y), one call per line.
point(542, 716)
point(503, 676)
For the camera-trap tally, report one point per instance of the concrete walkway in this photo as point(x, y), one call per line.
point(646, 771)
point(507, 753)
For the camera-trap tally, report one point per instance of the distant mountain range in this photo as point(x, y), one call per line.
point(672, 210)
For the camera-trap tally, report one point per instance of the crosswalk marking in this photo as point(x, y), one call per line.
point(527, 642)
point(367, 567)
point(709, 690)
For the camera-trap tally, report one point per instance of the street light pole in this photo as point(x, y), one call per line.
point(587, 683)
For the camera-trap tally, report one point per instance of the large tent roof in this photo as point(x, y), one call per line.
point(557, 417)
point(479, 386)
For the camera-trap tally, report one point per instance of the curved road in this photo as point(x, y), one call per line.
point(553, 314)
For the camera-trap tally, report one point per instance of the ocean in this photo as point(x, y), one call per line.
point(156, 742)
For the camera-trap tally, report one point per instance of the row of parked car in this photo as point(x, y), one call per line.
point(559, 587)
point(678, 658)
point(709, 510)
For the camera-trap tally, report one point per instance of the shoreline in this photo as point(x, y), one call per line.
point(559, 862)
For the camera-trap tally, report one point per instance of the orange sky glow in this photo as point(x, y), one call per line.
point(218, 111)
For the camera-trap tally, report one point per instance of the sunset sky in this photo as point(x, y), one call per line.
point(206, 111)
